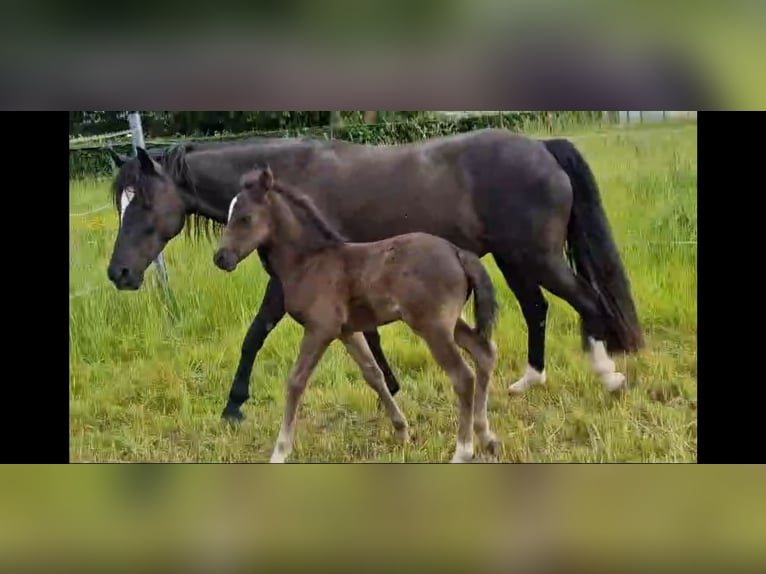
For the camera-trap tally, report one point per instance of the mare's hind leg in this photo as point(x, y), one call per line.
point(313, 346)
point(357, 347)
point(441, 343)
point(534, 307)
point(558, 278)
point(484, 358)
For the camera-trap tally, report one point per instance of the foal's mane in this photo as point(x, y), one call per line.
point(327, 235)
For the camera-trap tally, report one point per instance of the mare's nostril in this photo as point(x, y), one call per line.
point(117, 273)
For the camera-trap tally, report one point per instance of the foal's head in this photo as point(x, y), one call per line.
point(251, 222)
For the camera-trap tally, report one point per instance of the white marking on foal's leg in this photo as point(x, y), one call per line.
point(231, 208)
point(531, 377)
point(127, 196)
point(604, 366)
point(283, 447)
point(463, 452)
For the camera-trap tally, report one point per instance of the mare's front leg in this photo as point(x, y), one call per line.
point(373, 342)
point(269, 314)
point(313, 345)
point(534, 307)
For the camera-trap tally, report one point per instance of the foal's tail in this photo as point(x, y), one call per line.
point(484, 301)
point(593, 253)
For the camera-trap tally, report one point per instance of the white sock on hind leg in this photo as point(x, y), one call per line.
point(604, 366)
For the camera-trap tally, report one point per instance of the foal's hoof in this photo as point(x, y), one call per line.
point(232, 417)
point(402, 435)
point(463, 454)
point(492, 446)
point(614, 382)
point(461, 458)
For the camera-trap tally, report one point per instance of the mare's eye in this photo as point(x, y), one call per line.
point(245, 219)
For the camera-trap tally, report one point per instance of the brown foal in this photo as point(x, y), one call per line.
point(337, 290)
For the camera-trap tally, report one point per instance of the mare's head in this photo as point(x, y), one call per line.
point(251, 220)
point(152, 212)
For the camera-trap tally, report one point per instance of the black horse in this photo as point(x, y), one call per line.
point(525, 201)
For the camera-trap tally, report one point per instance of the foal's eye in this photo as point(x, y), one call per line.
point(245, 219)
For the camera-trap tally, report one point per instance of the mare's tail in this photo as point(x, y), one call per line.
point(593, 253)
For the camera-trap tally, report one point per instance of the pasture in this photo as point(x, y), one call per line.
point(149, 377)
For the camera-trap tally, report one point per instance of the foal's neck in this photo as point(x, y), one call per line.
point(293, 245)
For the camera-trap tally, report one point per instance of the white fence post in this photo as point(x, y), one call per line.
point(134, 119)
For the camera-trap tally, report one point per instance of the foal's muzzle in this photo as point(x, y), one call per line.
point(225, 259)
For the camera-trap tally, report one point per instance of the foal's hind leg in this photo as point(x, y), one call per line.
point(313, 346)
point(357, 347)
point(484, 358)
point(441, 343)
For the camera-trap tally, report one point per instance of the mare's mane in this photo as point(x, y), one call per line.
point(174, 162)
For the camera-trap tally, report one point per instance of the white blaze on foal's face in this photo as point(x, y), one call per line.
point(127, 196)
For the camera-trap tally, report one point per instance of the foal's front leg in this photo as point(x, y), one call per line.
point(312, 348)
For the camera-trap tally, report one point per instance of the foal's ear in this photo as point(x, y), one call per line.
point(267, 178)
point(147, 164)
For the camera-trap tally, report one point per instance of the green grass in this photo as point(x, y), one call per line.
point(148, 386)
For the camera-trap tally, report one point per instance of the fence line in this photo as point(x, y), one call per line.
point(636, 131)
point(633, 243)
point(87, 139)
point(102, 208)
point(326, 130)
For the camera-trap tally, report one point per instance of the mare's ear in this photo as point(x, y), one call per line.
point(117, 159)
point(267, 178)
point(148, 165)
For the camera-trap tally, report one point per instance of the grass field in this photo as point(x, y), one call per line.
point(146, 385)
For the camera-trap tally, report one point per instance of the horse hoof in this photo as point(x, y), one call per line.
point(531, 377)
point(462, 455)
point(614, 382)
point(517, 388)
point(459, 459)
point(232, 417)
point(402, 435)
point(492, 447)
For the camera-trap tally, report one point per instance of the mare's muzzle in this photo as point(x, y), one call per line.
point(123, 278)
point(225, 259)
